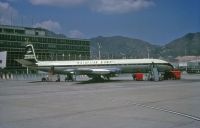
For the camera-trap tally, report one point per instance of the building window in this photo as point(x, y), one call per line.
point(19, 31)
point(51, 45)
point(36, 33)
point(9, 30)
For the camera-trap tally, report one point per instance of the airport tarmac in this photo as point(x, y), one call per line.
point(120, 103)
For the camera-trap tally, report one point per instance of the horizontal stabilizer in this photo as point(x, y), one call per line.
point(25, 62)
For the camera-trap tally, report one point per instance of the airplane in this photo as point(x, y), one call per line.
point(95, 69)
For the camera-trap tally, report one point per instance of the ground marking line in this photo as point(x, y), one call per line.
point(170, 111)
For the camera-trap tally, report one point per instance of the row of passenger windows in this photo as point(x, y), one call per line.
point(42, 40)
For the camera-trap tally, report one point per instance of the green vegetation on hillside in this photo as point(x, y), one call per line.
point(124, 47)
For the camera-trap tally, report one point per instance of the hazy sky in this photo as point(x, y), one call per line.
point(155, 21)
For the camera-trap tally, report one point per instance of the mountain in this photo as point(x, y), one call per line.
point(121, 47)
point(188, 45)
point(124, 47)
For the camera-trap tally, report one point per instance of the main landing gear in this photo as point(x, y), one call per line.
point(69, 78)
point(100, 78)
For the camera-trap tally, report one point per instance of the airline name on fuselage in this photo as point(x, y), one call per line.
point(95, 62)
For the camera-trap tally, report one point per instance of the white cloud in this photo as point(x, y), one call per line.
point(102, 6)
point(122, 6)
point(7, 13)
point(57, 2)
point(50, 25)
point(75, 34)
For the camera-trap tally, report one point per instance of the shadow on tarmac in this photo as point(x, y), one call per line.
point(97, 81)
point(79, 82)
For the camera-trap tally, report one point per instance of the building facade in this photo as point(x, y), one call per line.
point(47, 45)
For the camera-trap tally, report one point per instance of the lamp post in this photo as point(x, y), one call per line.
point(99, 45)
point(148, 52)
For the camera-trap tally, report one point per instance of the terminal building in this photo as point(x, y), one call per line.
point(47, 45)
point(190, 64)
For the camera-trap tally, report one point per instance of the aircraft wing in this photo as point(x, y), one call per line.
point(97, 71)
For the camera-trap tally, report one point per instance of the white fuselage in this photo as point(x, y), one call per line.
point(100, 62)
point(123, 65)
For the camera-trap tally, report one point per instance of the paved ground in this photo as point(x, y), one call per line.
point(121, 103)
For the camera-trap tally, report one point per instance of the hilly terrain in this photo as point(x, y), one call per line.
point(188, 45)
point(124, 47)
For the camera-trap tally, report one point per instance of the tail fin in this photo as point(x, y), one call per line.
point(30, 53)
